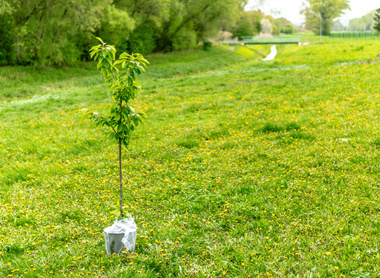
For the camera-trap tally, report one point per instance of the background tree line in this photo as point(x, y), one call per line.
point(59, 32)
point(364, 23)
point(323, 13)
point(252, 23)
point(368, 22)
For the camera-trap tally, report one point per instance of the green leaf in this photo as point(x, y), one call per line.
point(124, 55)
point(92, 54)
point(96, 47)
point(136, 120)
point(141, 68)
point(144, 61)
point(109, 61)
point(130, 81)
point(99, 39)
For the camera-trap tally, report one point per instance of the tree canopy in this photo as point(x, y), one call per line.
point(248, 24)
point(60, 32)
point(326, 11)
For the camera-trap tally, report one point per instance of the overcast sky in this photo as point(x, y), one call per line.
point(290, 9)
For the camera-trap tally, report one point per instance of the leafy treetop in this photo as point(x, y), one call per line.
point(121, 76)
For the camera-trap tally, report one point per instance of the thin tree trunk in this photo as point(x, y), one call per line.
point(121, 181)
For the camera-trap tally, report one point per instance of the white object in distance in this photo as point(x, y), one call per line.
point(272, 54)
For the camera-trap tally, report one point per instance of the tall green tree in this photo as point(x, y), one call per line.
point(376, 23)
point(326, 11)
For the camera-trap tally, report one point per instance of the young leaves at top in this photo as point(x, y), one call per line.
point(121, 76)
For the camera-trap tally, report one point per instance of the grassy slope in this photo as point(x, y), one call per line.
point(250, 169)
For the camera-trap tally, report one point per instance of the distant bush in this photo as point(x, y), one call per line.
point(288, 29)
point(207, 46)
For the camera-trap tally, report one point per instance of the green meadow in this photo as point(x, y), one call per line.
point(242, 168)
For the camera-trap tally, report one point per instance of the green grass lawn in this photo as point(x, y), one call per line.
point(242, 168)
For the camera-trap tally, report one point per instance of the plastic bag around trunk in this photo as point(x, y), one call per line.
point(121, 234)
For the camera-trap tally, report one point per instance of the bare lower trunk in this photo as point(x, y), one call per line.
point(121, 181)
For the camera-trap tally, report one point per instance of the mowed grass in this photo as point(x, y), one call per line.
point(242, 168)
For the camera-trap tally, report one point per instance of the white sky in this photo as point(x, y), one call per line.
point(290, 9)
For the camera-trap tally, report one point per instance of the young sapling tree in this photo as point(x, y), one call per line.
point(121, 77)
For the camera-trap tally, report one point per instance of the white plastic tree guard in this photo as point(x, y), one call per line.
point(121, 236)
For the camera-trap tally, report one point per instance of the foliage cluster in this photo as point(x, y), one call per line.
point(60, 32)
point(247, 169)
point(376, 23)
point(249, 24)
point(284, 26)
point(322, 13)
point(124, 87)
